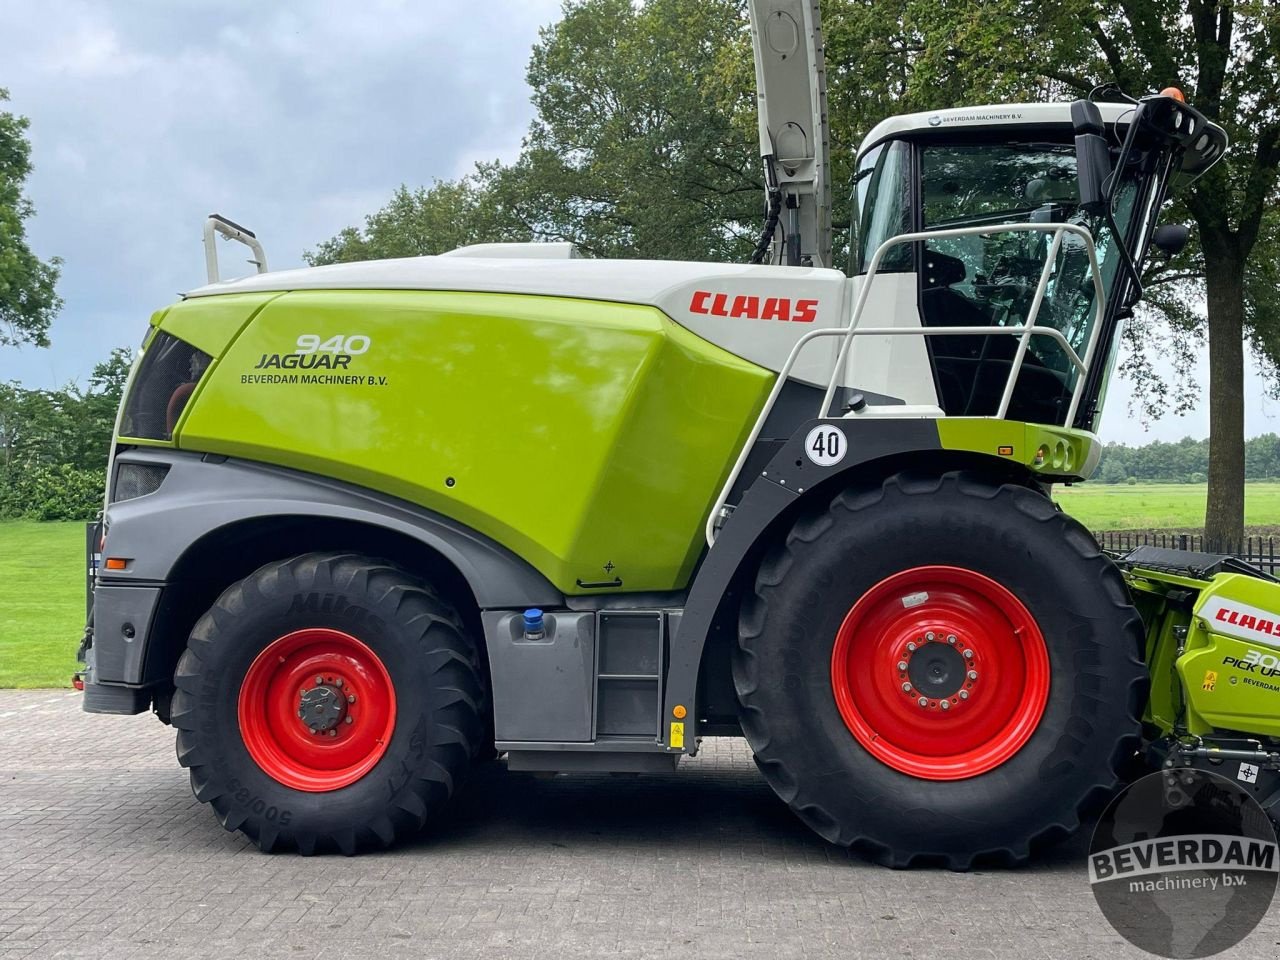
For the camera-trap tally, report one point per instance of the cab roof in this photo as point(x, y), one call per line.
point(990, 115)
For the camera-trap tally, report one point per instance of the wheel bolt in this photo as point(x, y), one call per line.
point(968, 654)
point(333, 733)
point(314, 732)
point(973, 674)
point(902, 664)
point(351, 698)
point(319, 681)
point(911, 647)
point(951, 638)
point(338, 682)
point(929, 636)
point(964, 694)
point(299, 713)
point(906, 688)
point(923, 701)
point(945, 704)
point(350, 720)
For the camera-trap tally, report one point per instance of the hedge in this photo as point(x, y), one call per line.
point(59, 492)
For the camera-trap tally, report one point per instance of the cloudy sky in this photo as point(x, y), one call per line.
point(294, 117)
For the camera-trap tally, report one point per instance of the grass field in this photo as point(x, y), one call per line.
point(42, 579)
point(1160, 506)
point(41, 602)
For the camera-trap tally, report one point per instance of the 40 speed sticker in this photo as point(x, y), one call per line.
point(825, 445)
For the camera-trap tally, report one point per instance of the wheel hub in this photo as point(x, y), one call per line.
point(323, 707)
point(938, 669)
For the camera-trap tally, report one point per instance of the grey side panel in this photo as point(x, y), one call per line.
point(121, 625)
point(201, 495)
point(774, 491)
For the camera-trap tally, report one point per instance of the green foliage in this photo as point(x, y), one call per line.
point(54, 444)
point(1112, 471)
point(58, 492)
point(1186, 461)
point(642, 145)
point(421, 222)
point(28, 298)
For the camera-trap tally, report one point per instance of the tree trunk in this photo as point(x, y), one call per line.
point(1224, 509)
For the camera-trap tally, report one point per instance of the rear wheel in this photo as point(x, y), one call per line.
point(940, 669)
point(328, 702)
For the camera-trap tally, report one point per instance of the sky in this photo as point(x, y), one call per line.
point(294, 117)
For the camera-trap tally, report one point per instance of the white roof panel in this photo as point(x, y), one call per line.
point(990, 115)
point(620, 281)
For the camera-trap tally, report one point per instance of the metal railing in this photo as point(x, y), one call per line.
point(1025, 331)
point(1257, 550)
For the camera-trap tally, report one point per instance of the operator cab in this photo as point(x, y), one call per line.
point(1011, 165)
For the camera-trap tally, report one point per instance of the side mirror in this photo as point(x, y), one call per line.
point(1093, 156)
point(1170, 238)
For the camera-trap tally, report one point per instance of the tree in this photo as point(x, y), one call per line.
point(1112, 471)
point(28, 298)
point(54, 444)
point(428, 220)
point(644, 139)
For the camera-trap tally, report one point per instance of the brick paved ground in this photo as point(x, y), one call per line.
point(104, 853)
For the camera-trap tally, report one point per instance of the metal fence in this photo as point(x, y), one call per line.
point(1260, 551)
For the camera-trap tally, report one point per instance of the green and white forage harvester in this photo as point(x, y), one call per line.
point(371, 523)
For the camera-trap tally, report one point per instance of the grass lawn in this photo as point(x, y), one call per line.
point(41, 602)
point(1160, 506)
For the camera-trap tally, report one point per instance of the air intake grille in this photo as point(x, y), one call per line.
point(164, 383)
point(135, 480)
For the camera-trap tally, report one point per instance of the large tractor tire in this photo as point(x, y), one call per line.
point(940, 670)
point(328, 702)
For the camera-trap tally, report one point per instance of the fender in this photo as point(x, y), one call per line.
point(792, 475)
point(201, 494)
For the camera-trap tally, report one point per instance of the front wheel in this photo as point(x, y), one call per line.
point(329, 701)
point(940, 669)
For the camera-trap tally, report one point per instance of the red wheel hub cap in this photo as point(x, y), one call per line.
point(317, 710)
point(940, 673)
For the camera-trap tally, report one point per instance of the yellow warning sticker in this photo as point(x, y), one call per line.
point(677, 736)
point(1210, 678)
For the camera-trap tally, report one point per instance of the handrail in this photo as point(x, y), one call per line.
point(812, 335)
point(232, 231)
point(1025, 331)
point(925, 235)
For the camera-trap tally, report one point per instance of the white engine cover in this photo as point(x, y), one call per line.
point(755, 312)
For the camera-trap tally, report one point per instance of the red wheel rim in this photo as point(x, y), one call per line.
point(346, 695)
point(940, 673)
